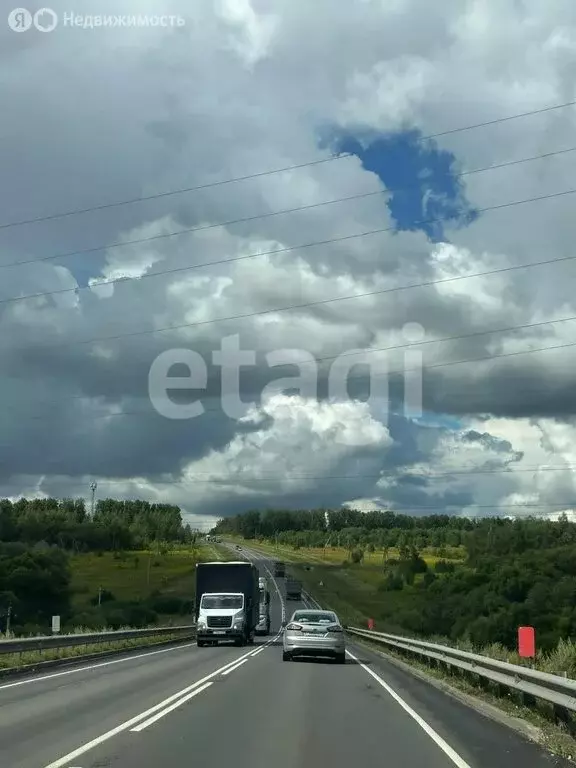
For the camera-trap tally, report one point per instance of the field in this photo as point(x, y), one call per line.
point(352, 589)
point(337, 555)
point(137, 575)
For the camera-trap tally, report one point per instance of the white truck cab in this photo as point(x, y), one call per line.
point(221, 612)
point(226, 605)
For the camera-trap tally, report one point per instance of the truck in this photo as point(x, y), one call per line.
point(279, 568)
point(227, 602)
point(263, 626)
point(293, 589)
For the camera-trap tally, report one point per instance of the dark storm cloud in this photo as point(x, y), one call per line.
point(146, 111)
point(515, 392)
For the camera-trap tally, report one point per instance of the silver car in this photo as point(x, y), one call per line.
point(314, 633)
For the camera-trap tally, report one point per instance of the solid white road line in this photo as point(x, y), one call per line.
point(176, 704)
point(236, 666)
point(181, 701)
point(65, 760)
point(436, 738)
point(282, 604)
point(94, 666)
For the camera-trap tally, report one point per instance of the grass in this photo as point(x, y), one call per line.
point(351, 591)
point(128, 576)
point(31, 658)
point(137, 575)
point(337, 555)
point(551, 735)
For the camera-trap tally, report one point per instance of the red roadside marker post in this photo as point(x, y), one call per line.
point(370, 623)
point(526, 642)
point(527, 650)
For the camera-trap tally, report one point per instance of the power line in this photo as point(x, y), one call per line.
point(560, 505)
point(395, 507)
point(284, 211)
point(260, 174)
point(525, 393)
point(287, 249)
point(398, 472)
point(398, 372)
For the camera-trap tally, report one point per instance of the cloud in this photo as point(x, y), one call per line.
point(98, 116)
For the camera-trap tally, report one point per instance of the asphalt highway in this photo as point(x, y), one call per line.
point(245, 707)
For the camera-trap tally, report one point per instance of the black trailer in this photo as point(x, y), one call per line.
point(216, 623)
point(293, 589)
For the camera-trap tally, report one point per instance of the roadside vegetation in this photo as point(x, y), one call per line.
point(463, 582)
point(10, 661)
point(131, 564)
point(466, 584)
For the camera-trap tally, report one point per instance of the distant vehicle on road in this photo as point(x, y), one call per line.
point(227, 597)
point(238, 547)
point(293, 589)
point(263, 626)
point(279, 568)
point(314, 633)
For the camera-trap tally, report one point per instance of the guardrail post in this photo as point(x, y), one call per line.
point(502, 690)
point(483, 683)
point(564, 718)
point(528, 700)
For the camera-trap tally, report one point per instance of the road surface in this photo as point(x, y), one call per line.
point(245, 707)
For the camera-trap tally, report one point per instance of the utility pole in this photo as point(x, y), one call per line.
point(93, 487)
point(8, 621)
point(99, 596)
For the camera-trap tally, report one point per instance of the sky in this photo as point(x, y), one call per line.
point(385, 192)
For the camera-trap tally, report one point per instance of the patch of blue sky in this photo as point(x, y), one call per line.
point(442, 420)
point(426, 192)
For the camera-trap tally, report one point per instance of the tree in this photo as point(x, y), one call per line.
point(38, 583)
point(357, 556)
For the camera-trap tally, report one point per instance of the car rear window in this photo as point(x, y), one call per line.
point(315, 618)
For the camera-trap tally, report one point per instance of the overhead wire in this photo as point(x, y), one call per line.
point(398, 372)
point(259, 174)
point(397, 472)
point(395, 507)
point(45, 294)
point(280, 212)
point(339, 239)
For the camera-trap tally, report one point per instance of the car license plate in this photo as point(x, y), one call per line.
point(219, 631)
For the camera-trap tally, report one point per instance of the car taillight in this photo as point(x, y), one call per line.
point(294, 626)
point(335, 629)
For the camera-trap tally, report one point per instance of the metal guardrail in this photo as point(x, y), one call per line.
point(23, 644)
point(555, 689)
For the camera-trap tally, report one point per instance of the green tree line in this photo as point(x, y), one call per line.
point(37, 537)
point(116, 525)
point(511, 572)
point(270, 522)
